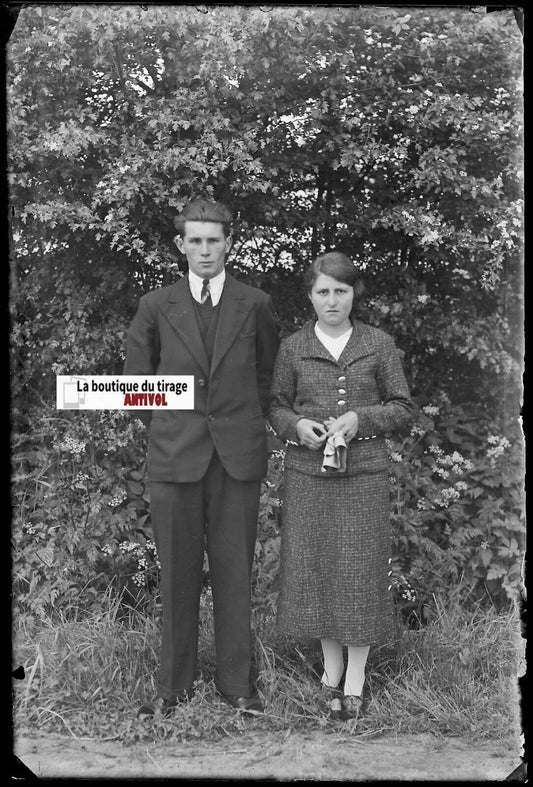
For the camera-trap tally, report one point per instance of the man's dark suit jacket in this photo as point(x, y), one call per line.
point(231, 396)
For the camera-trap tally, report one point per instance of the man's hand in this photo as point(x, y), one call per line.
point(347, 424)
point(312, 434)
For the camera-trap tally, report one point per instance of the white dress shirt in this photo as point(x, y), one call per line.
point(216, 285)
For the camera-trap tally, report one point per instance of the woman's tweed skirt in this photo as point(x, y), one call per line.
point(334, 561)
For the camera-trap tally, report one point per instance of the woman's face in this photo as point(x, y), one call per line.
point(332, 301)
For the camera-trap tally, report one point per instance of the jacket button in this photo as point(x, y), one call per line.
point(210, 417)
point(342, 391)
point(341, 379)
point(201, 382)
point(341, 401)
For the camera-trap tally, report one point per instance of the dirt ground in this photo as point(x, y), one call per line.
point(284, 756)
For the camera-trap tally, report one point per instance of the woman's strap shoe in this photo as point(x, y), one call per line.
point(353, 707)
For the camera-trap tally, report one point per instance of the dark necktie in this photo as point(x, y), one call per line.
point(205, 296)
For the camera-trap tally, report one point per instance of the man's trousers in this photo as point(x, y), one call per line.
point(217, 514)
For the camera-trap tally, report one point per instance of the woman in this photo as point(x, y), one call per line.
point(338, 389)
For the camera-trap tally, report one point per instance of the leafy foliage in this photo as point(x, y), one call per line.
point(82, 522)
point(80, 512)
point(393, 136)
point(458, 515)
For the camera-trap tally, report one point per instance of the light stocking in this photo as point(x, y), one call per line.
point(355, 671)
point(333, 662)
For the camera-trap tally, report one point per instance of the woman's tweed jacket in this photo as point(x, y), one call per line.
point(336, 535)
point(368, 378)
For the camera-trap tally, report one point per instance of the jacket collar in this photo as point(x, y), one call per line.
point(179, 310)
point(359, 344)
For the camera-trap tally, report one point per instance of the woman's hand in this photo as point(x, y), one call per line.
point(312, 434)
point(347, 424)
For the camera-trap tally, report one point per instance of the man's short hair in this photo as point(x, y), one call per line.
point(204, 210)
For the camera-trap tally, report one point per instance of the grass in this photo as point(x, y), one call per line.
point(86, 674)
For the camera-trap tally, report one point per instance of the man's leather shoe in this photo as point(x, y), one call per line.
point(160, 706)
point(247, 704)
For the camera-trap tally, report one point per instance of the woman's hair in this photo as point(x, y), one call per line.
point(337, 265)
point(203, 210)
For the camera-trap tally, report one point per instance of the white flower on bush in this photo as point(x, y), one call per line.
point(430, 410)
point(130, 546)
point(139, 553)
point(442, 472)
point(80, 482)
point(461, 486)
point(139, 579)
point(461, 272)
point(117, 499)
point(417, 430)
point(447, 496)
point(396, 457)
point(499, 444)
point(73, 446)
point(428, 237)
point(107, 549)
point(445, 460)
point(455, 461)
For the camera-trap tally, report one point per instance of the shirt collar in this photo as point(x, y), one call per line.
point(216, 285)
point(325, 338)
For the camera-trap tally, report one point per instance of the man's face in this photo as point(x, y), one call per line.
point(205, 246)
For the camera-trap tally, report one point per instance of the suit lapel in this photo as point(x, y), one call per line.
point(234, 308)
point(314, 347)
point(359, 344)
point(179, 311)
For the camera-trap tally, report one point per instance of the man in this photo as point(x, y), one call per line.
point(205, 465)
